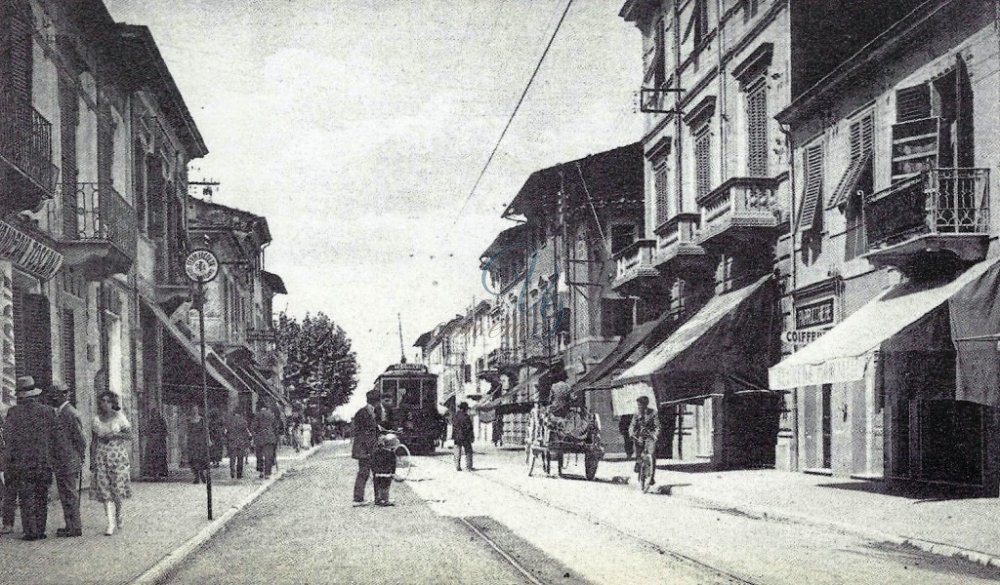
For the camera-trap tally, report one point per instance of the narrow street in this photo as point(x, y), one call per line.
point(306, 530)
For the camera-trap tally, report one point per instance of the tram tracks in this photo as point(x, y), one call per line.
point(720, 575)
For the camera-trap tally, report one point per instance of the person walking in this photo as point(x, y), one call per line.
point(265, 439)
point(8, 495)
point(197, 447)
point(498, 430)
point(70, 452)
point(216, 434)
point(109, 459)
point(462, 435)
point(29, 454)
point(365, 426)
point(237, 442)
point(624, 423)
point(156, 445)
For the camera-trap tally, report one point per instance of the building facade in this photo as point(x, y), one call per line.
point(893, 179)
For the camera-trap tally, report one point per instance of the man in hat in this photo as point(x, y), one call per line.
point(28, 455)
point(70, 451)
point(645, 431)
point(366, 424)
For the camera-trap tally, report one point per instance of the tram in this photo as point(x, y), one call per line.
point(413, 391)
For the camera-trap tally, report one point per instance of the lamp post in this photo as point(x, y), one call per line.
point(201, 267)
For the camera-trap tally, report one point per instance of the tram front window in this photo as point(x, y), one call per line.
point(389, 388)
point(409, 393)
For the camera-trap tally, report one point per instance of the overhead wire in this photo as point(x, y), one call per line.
point(513, 114)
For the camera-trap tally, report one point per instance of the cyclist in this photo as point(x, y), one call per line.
point(645, 430)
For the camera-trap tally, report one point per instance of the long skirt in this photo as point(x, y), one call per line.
point(111, 481)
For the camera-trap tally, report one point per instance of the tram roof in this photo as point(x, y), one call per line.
point(402, 370)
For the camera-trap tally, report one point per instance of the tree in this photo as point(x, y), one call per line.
point(321, 370)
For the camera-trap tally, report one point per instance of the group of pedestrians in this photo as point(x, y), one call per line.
point(42, 438)
point(238, 436)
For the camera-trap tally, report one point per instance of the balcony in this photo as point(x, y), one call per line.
point(634, 267)
point(741, 210)
point(677, 249)
point(99, 235)
point(940, 216)
point(27, 175)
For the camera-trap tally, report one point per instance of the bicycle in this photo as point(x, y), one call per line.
point(644, 463)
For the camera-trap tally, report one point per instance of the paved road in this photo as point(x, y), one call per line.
point(590, 515)
point(306, 530)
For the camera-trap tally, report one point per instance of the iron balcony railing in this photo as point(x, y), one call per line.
point(102, 214)
point(938, 201)
point(26, 142)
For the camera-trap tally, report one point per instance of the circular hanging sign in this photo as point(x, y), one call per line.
point(201, 265)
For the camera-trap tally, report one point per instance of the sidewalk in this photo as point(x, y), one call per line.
point(950, 525)
point(159, 518)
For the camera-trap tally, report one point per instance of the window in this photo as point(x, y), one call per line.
point(661, 184)
point(913, 103)
point(659, 55)
point(700, 21)
point(750, 8)
point(812, 165)
point(703, 160)
point(756, 104)
point(622, 236)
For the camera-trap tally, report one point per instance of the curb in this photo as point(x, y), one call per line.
point(936, 548)
point(169, 564)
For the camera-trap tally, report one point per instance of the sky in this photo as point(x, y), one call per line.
point(357, 128)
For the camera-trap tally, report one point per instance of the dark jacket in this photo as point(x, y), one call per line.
point(237, 432)
point(197, 448)
point(70, 442)
point(29, 438)
point(365, 430)
point(262, 428)
point(461, 428)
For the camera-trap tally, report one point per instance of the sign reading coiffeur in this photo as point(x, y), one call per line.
point(201, 266)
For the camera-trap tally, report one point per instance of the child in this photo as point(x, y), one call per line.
point(384, 467)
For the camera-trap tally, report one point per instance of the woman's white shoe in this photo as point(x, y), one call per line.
point(109, 511)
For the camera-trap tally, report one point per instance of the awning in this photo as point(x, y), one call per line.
point(252, 381)
point(623, 397)
point(189, 346)
point(625, 348)
point(731, 338)
point(843, 353)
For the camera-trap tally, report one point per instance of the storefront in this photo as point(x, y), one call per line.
point(923, 356)
point(713, 369)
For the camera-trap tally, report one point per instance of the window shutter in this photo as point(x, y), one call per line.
point(69, 117)
point(32, 337)
point(68, 344)
point(813, 187)
point(660, 178)
point(756, 104)
point(16, 57)
point(703, 161)
point(862, 148)
point(913, 103)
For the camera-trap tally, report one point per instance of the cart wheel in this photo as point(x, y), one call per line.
point(590, 461)
point(402, 463)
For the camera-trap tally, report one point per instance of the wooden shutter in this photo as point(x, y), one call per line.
point(813, 167)
point(67, 340)
point(965, 155)
point(32, 337)
point(69, 118)
point(862, 147)
point(16, 57)
point(756, 104)
point(661, 184)
point(913, 103)
point(703, 161)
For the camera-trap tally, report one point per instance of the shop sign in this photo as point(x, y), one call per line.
point(27, 253)
point(814, 314)
point(797, 337)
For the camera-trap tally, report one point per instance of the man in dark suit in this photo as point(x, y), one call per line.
point(462, 434)
point(365, 425)
point(28, 455)
point(265, 439)
point(70, 451)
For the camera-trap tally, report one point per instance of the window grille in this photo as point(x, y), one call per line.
point(756, 104)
